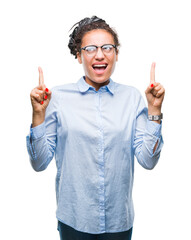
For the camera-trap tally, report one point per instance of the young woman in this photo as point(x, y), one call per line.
point(94, 128)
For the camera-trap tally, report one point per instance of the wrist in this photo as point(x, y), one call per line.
point(155, 118)
point(38, 118)
point(154, 111)
point(154, 114)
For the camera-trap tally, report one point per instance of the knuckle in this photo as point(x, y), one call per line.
point(32, 93)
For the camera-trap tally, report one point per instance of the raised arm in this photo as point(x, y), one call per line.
point(148, 139)
point(155, 95)
point(41, 141)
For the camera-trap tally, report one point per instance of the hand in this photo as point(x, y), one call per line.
point(40, 96)
point(155, 94)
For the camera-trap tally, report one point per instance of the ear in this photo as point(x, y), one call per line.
point(79, 57)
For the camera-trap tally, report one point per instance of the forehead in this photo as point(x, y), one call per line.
point(97, 37)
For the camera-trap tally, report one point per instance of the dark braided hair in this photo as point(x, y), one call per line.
point(84, 26)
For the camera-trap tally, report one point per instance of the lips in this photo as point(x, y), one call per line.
point(99, 68)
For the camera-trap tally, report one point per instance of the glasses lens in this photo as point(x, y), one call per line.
point(107, 49)
point(90, 50)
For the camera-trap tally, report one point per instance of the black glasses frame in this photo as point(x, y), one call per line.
point(84, 48)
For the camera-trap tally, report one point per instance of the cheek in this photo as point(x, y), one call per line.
point(113, 62)
point(86, 67)
point(113, 67)
point(86, 64)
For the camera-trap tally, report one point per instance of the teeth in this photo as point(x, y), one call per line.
point(103, 65)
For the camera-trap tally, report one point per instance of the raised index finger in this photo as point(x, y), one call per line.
point(152, 73)
point(41, 77)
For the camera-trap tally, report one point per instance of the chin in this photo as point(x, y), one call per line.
point(100, 79)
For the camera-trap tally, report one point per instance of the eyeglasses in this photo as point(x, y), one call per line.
point(91, 50)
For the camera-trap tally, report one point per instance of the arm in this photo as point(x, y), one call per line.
point(148, 139)
point(155, 96)
point(41, 142)
point(42, 138)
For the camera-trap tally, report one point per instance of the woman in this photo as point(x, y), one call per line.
point(95, 127)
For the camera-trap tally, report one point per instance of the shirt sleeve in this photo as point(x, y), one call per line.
point(41, 141)
point(147, 134)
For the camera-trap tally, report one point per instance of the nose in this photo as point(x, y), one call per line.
point(99, 54)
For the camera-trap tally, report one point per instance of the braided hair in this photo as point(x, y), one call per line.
point(84, 26)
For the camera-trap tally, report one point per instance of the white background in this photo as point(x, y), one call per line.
point(35, 33)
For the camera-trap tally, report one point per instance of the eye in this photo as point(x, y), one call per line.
point(107, 48)
point(90, 49)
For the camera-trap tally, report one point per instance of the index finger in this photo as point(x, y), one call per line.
point(41, 77)
point(152, 73)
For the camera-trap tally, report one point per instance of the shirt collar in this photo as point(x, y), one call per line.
point(84, 86)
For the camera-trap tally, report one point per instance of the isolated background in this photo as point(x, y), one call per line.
point(35, 33)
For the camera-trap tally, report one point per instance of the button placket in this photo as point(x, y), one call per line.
point(101, 162)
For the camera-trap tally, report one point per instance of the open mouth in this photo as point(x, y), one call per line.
point(99, 68)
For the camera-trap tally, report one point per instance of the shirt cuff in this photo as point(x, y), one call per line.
point(38, 131)
point(154, 128)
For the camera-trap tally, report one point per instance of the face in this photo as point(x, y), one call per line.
point(96, 76)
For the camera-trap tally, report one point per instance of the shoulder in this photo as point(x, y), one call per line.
point(127, 89)
point(64, 87)
point(130, 95)
point(60, 92)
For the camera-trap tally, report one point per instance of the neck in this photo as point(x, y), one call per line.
point(95, 84)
